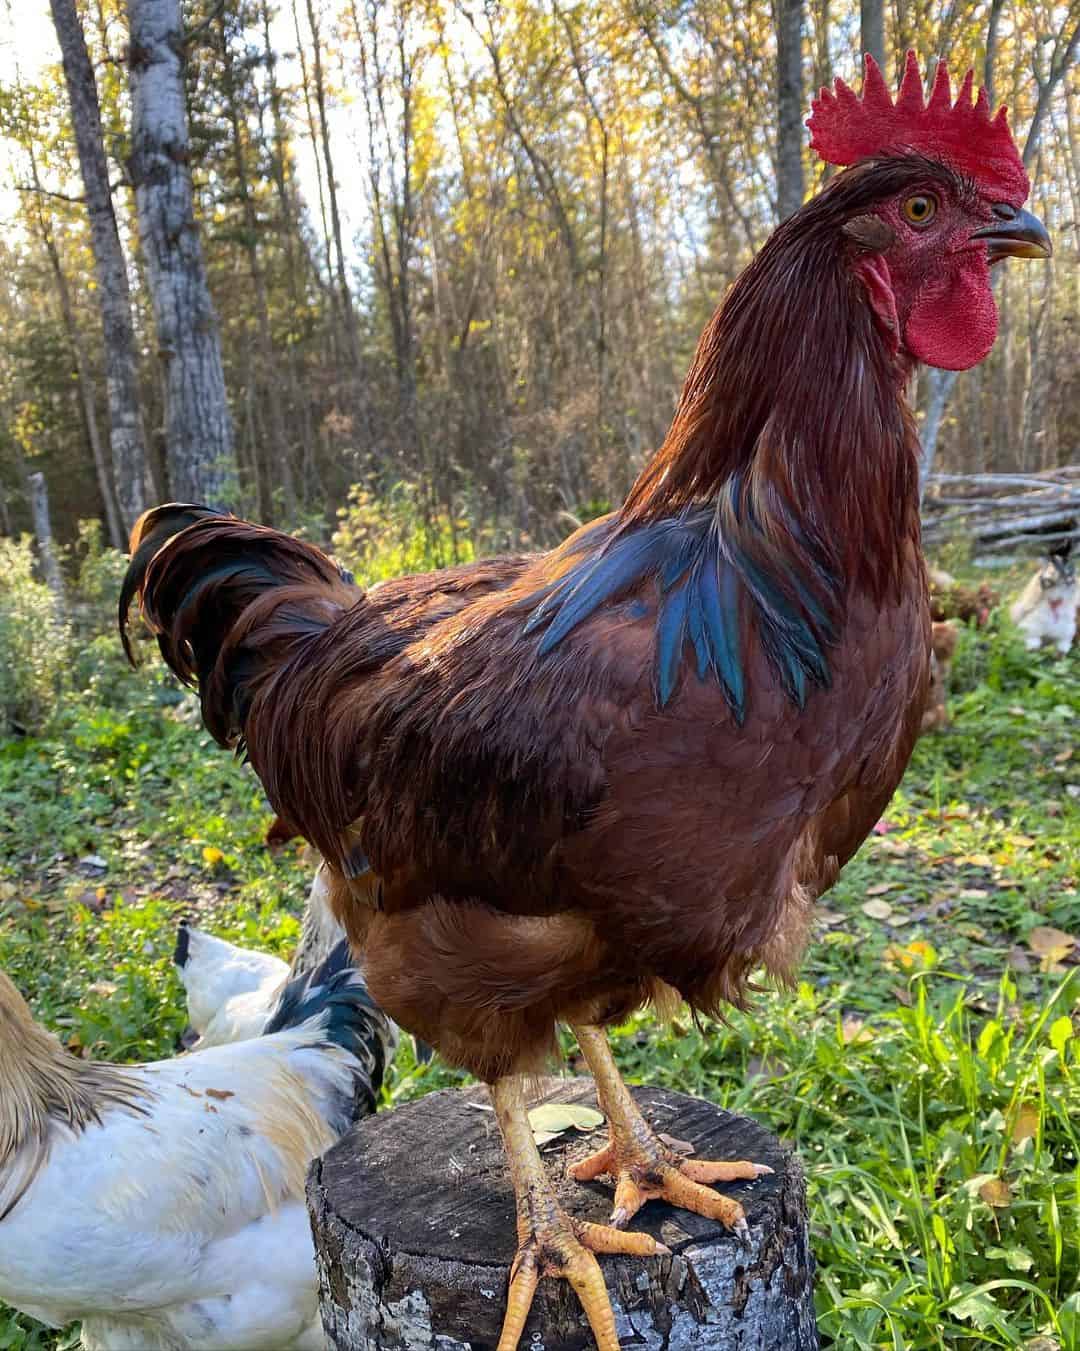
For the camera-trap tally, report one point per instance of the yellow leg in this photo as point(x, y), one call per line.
point(644, 1167)
point(550, 1243)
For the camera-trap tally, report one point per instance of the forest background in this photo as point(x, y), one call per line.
point(457, 254)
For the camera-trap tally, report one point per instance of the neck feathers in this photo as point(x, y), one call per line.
point(792, 418)
point(42, 1087)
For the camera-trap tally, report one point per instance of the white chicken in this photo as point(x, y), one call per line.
point(232, 991)
point(163, 1205)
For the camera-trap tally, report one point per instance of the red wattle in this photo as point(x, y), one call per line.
point(953, 322)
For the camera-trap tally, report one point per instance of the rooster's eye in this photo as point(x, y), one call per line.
point(920, 209)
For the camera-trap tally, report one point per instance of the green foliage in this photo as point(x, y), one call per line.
point(385, 537)
point(34, 640)
point(925, 1068)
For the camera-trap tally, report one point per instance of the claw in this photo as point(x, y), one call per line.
point(742, 1231)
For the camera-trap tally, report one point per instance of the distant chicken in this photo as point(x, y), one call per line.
point(943, 640)
point(232, 991)
point(1046, 609)
point(163, 1204)
point(561, 787)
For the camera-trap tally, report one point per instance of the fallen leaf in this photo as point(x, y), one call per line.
point(1050, 944)
point(220, 1093)
point(828, 917)
point(552, 1119)
point(877, 909)
point(1042, 1344)
point(854, 1031)
point(212, 856)
point(102, 987)
point(1064, 755)
point(880, 888)
point(887, 846)
point(995, 1192)
point(93, 861)
point(1026, 1125)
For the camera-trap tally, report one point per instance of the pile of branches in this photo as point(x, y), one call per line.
point(1003, 512)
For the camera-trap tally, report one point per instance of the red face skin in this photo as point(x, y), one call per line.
point(930, 288)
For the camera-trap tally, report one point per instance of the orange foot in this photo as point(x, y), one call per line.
point(644, 1168)
point(552, 1244)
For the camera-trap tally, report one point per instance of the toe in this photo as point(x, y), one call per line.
point(584, 1274)
point(593, 1166)
point(702, 1170)
point(604, 1238)
point(523, 1282)
point(681, 1191)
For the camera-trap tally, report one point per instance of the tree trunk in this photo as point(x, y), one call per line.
point(351, 333)
point(872, 29)
point(789, 108)
point(419, 1257)
point(50, 568)
point(271, 379)
point(130, 472)
point(198, 430)
point(117, 535)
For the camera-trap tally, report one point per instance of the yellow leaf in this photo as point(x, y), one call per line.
point(212, 856)
point(895, 953)
point(995, 1192)
point(1026, 1125)
point(922, 950)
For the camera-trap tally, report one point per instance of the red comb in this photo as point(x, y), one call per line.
point(845, 127)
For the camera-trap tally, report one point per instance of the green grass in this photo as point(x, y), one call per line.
point(926, 1063)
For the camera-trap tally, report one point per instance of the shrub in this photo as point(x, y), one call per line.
point(35, 641)
point(387, 537)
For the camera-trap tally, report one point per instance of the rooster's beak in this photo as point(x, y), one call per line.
point(1015, 234)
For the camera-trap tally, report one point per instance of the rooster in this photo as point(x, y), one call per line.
point(163, 1204)
point(562, 787)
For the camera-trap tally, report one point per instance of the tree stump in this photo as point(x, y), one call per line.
point(413, 1217)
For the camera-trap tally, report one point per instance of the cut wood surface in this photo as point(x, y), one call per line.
point(413, 1216)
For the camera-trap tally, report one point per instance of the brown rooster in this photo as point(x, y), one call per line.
point(560, 787)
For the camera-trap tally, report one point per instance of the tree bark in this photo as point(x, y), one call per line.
point(351, 332)
point(418, 1257)
point(790, 187)
point(872, 29)
point(271, 380)
point(50, 567)
point(117, 535)
point(198, 430)
point(130, 471)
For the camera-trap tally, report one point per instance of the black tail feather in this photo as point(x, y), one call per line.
point(336, 988)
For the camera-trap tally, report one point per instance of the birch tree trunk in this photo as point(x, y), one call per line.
point(789, 107)
point(50, 567)
point(130, 472)
point(199, 452)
